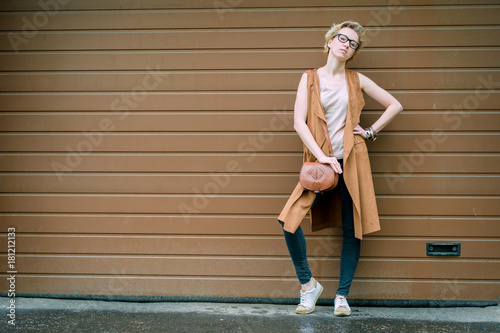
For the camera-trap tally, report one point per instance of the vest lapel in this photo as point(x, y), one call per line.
point(356, 103)
point(318, 113)
point(351, 176)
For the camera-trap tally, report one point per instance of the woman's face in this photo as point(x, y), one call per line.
point(343, 50)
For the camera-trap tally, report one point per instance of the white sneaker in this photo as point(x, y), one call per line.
point(342, 308)
point(308, 299)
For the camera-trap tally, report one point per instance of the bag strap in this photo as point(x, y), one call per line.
point(323, 123)
point(325, 129)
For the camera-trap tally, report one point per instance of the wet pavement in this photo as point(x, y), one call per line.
point(66, 315)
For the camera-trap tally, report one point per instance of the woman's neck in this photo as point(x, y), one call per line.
point(334, 66)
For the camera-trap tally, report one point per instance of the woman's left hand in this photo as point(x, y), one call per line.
point(360, 131)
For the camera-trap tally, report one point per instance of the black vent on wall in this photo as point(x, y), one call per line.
point(443, 249)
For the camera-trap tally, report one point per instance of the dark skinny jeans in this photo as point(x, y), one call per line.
point(349, 255)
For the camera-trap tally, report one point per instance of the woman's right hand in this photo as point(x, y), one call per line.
point(332, 161)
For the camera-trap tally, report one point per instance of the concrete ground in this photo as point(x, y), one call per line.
point(68, 315)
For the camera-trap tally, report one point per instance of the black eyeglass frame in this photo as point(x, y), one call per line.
point(348, 40)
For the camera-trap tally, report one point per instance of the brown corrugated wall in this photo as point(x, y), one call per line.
point(147, 147)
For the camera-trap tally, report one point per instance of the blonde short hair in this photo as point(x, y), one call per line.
point(358, 28)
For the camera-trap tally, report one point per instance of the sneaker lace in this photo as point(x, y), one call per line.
point(302, 298)
point(305, 301)
point(342, 302)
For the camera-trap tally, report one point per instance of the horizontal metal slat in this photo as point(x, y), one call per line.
point(208, 121)
point(268, 17)
point(238, 80)
point(28, 5)
point(123, 103)
point(252, 267)
point(244, 59)
point(205, 203)
point(252, 287)
point(245, 39)
point(392, 226)
point(401, 163)
point(237, 183)
point(329, 246)
point(422, 144)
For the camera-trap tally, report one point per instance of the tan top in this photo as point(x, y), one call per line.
point(335, 102)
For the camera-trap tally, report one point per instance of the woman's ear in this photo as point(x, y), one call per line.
point(330, 43)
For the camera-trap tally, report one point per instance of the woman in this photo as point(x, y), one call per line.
point(334, 94)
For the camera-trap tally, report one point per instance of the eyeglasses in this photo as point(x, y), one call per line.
point(343, 38)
